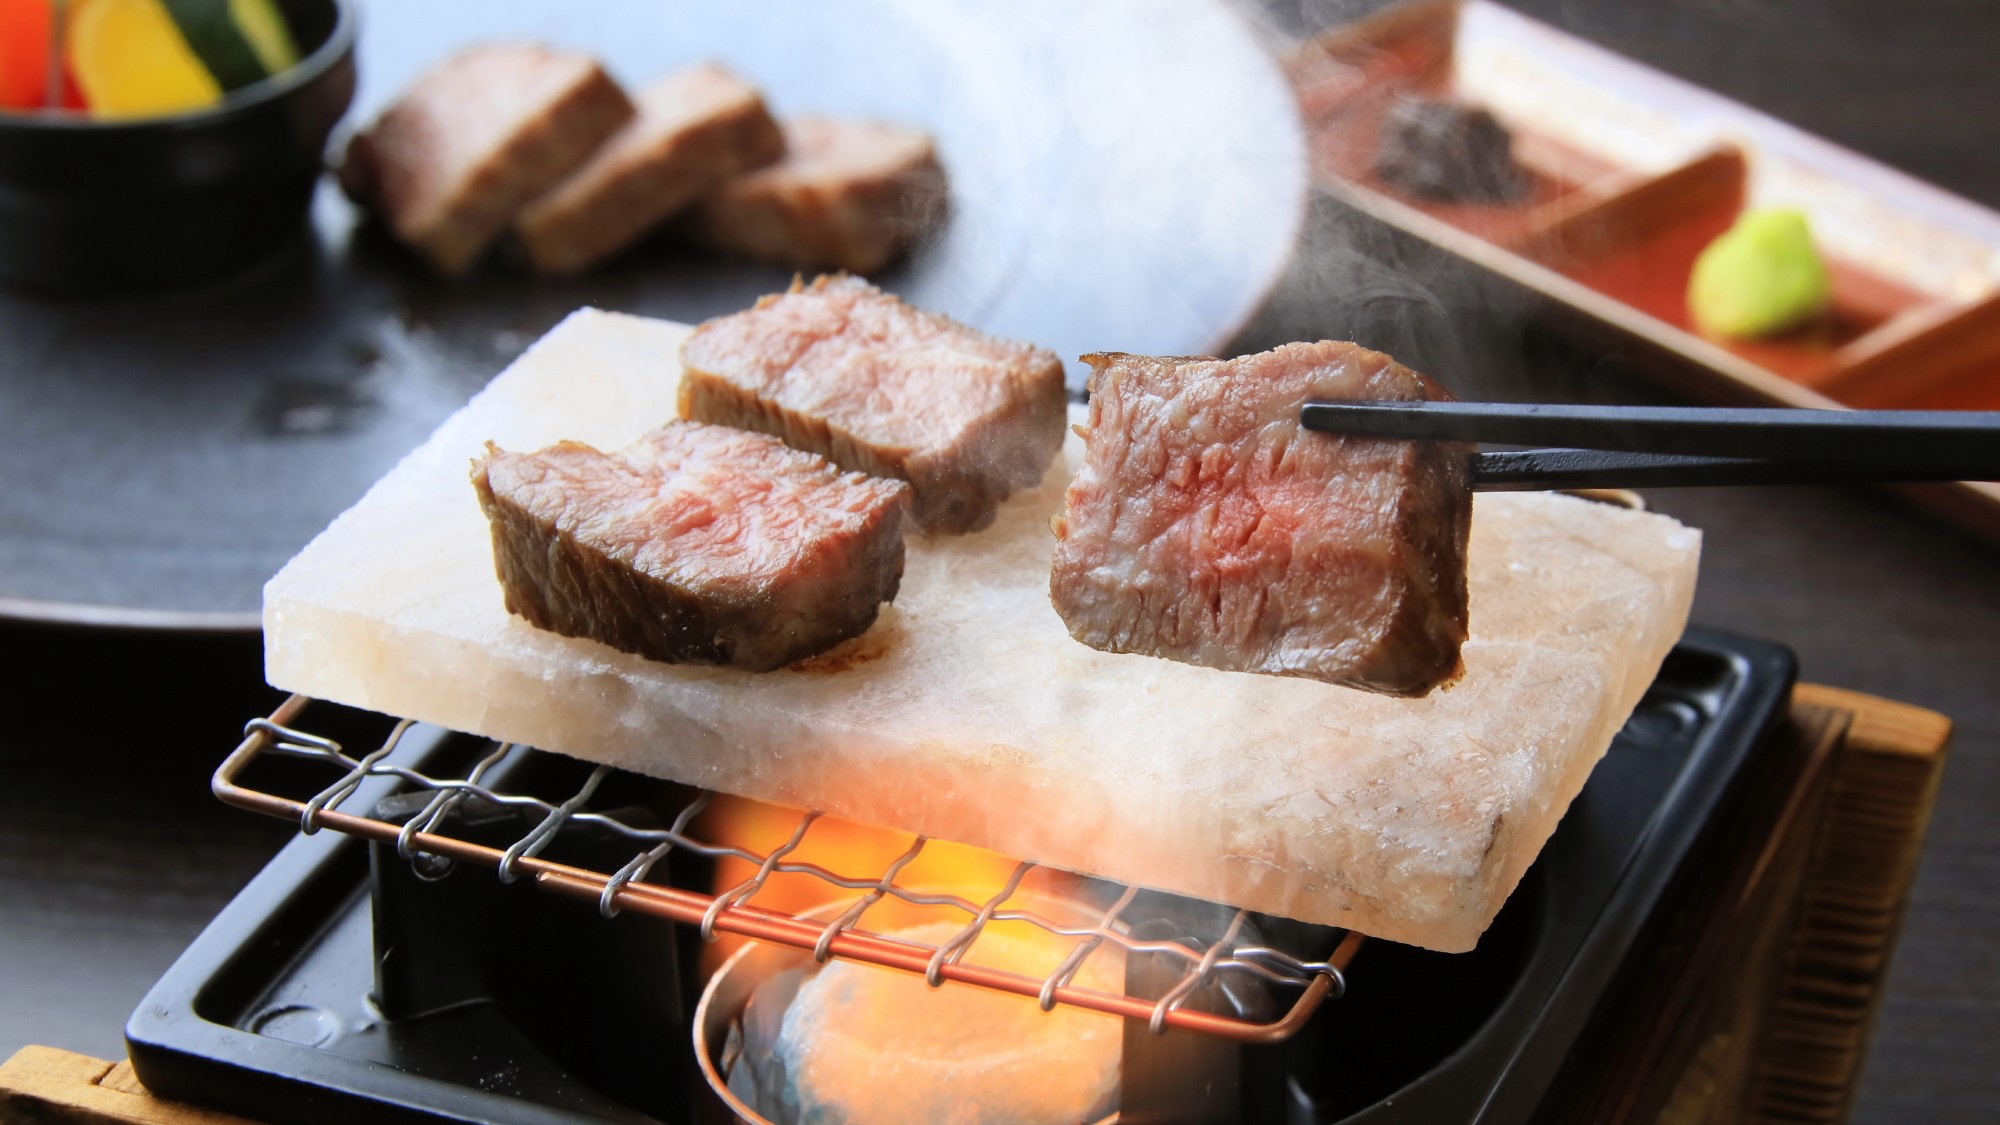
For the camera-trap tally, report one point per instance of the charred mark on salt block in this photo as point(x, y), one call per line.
point(880, 640)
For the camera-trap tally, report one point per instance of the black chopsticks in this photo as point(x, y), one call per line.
point(1667, 446)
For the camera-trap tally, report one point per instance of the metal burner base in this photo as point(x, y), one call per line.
point(269, 1013)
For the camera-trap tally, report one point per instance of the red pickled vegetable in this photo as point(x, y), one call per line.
point(25, 51)
point(71, 93)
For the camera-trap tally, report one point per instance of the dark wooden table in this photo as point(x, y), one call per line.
point(112, 854)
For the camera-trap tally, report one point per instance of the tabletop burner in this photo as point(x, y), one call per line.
point(347, 983)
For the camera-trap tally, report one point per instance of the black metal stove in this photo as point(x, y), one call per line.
point(347, 983)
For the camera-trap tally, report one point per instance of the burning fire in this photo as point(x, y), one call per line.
point(855, 850)
point(861, 1043)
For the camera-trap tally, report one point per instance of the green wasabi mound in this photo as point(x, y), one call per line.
point(1761, 277)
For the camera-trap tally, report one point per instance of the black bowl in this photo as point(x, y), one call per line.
point(98, 207)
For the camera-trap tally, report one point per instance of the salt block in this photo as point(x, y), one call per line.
point(968, 713)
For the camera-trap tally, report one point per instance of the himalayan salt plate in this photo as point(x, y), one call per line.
point(968, 713)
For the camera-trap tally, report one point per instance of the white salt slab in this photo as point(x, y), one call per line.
point(968, 713)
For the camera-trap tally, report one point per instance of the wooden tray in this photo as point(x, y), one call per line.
point(1631, 174)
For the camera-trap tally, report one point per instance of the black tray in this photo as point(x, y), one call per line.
point(269, 1014)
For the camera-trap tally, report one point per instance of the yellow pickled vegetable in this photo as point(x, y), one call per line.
point(132, 60)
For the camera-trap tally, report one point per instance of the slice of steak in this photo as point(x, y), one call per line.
point(849, 195)
point(697, 544)
point(849, 372)
point(459, 153)
point(694, 129)
point(1207, 526)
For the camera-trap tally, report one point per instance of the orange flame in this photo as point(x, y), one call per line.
point(858, 851)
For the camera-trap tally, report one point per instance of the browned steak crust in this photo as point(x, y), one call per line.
point(849, 195)
point(1207, 526)
point(694, 129)
point(853, 374)
point(476, 137)
point(697, 544)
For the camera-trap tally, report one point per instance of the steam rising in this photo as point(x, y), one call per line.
point(1353, 277)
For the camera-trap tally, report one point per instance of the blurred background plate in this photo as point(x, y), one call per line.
point(1126, 175)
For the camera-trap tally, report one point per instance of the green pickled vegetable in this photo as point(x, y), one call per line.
point(239, 41)
point(209, 30)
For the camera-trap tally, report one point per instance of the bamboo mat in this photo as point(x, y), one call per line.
point(1784, 1041)
point(1775, 1036)
point(1816, 1032)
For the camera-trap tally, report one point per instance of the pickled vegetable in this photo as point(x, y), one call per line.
point(132, 60)
point(25, 28)
point(1761, 277)
point(212, 34)
point(263, 26)
point(239, 41)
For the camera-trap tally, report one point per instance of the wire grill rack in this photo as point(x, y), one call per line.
point(729, 910)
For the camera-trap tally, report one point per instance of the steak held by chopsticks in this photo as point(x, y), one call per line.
point(1206, 526)
point(697, 544)
point(847, 371)
point(461, 151)
point(849, 195)
point(694, 129)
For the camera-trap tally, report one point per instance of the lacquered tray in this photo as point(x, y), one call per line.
point(1632, 173)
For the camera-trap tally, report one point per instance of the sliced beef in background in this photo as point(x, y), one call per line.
point(853, 374)
point(459, 153)
point(694, 129)
point(848, 195)
point(697, 544)
point(1207, 526)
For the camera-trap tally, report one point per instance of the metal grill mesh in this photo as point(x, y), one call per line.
point(424, 836)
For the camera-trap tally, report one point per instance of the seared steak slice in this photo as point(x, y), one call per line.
point(849, 195)
point(694, 129)
point(697, 544)
point(853, 374)
point(1207, 526)
point(474, 139)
